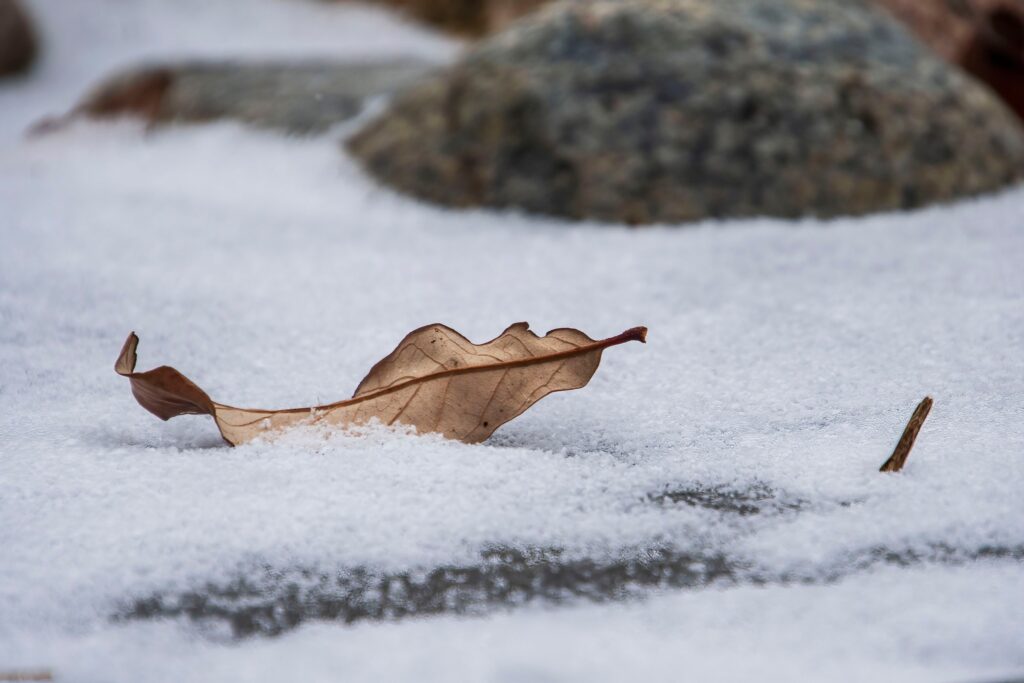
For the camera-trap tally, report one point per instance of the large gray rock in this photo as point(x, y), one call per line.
point(643, 111)
point(18, 45)
point(298, 97)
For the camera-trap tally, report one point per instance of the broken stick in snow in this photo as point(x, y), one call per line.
point(899, 455)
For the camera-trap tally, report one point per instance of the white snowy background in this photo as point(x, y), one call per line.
point(785, 355)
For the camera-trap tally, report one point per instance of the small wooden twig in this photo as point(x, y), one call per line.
point(899, 455)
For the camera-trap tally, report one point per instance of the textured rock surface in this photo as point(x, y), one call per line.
point(17, 39)
point(647, 111)
point(296, 97)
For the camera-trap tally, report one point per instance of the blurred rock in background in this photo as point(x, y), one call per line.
point(466, 17)
point(985, 37)
point(995, 54)
point(297, 97)
point(645, 111)
point(18, 44)
point(946, 26)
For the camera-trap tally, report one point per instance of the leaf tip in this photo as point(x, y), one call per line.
point(125, 364)
point(632, 334)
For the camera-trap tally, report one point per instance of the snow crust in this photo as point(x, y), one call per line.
point(784, 356)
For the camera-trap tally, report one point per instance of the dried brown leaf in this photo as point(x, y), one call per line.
point(436, 380)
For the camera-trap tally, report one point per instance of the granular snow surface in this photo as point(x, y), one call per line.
point(784, 359)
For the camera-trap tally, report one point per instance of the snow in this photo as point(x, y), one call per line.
point(784, 356)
